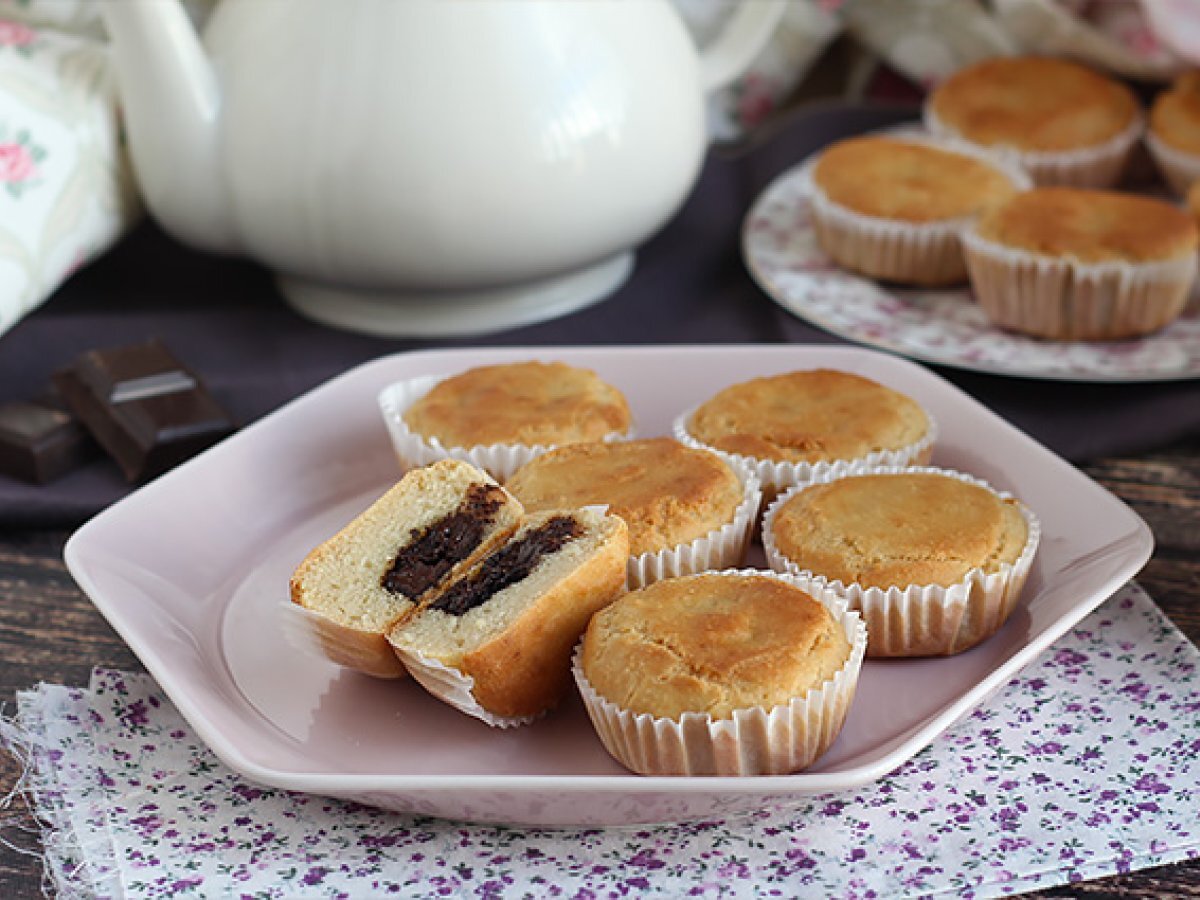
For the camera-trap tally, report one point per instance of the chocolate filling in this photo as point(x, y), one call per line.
point(511, 563)
point(431, 553)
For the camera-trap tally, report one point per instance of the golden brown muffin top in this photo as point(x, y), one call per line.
point(1034, 104)
point(712, 643)
point(668, 494)
point(892, 178)
point(808, 416)
point(1175, 114)
point(899, 529)
point(1193, 200)
point(1091, 226)
point(520, 403)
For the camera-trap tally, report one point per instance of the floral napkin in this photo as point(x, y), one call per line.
point(1087, 764)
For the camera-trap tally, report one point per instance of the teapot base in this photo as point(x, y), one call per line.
point(454, 313)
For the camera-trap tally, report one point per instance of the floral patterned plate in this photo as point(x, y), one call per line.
point(938, 326)
point(192, 571)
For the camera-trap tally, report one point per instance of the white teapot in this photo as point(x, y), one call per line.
point(423, 167)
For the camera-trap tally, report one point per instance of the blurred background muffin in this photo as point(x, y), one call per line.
point(1073, 264)
point(1063, 122)
point(893, 207)
point(1173, 138)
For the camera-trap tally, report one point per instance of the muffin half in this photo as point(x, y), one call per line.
point(496, 641)
point(349, 591)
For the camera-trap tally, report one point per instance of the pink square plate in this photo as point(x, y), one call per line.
point(192, 571)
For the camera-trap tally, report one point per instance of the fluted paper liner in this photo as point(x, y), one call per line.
point(920, 252)
point(1179, 168)
point(779, 475)
point(1097, 166)
point(1064, 299)
point(498, 460)
point(312, 633)
point(922, 619)
point(755, 740)
point(453, 687)
point(721, 548)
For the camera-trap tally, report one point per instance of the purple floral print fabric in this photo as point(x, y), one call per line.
point(1087, 764)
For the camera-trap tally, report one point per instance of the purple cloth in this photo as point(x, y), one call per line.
point(224, 319)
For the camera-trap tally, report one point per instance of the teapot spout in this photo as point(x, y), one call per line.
point(171, 104)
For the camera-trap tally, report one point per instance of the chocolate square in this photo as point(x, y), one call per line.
point(143, 406)
point(39, 443)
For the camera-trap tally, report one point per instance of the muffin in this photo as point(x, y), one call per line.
point(1072, 264)
point(1062, 122)
point(730, 673)
point(935, 560)
point(498, 417)
point(892, 207)
point(351, 589)
point(1192, 201)
point(787, 428)
point(496, 641)
point(687, 509)
point(1173, 137)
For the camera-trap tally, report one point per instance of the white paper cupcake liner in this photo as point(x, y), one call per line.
point(1068, 300)
point(1179, 168)
point(776, 475)
point(312, 633)
point(922, 620)
point(498, 460)
point(922, 253)
point(1097, 166)
point(755, 740)
point(453, 687)
point(721, 548)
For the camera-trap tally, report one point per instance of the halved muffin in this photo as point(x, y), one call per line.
point(433, 523)
point(496, 641)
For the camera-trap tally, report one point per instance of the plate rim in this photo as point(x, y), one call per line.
point(796, 785)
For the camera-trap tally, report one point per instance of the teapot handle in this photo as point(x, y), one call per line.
point(745, 34)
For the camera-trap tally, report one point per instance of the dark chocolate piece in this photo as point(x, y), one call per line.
point(422, 563)
point(40, 443)
point(511, 563)
point(143, 406)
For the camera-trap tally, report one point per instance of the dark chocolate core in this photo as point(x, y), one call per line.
point(511, 563)
point(142, 406)
point(431, 553)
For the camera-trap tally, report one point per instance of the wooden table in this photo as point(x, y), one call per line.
point(50, 632)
